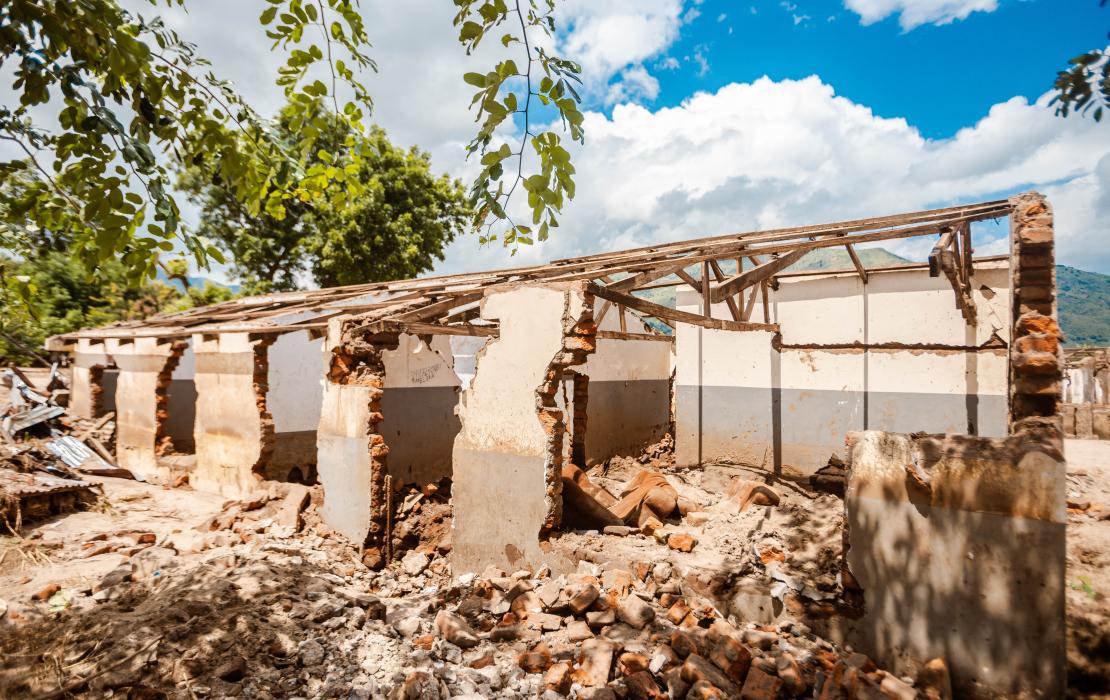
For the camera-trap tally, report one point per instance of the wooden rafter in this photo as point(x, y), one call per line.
point(856, 261)
point(666, 314)
point(757, 274)
point(945, 257)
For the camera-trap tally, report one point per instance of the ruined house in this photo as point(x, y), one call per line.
point(938, 383)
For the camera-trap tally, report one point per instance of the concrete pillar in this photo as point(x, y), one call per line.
point(509, 453)
point(233, 428)
point(146, 366)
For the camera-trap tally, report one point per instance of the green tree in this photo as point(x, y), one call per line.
point(397, 227)
point(133, 101)
point(1085, 86)
point(65, 297)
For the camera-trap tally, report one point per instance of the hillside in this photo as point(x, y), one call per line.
point(1084, 303)
point(1084, 297)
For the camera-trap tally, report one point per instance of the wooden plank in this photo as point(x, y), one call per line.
point(624, 326)
point(614, 335)
point(422, 313)
point(733, 309)
point(422, 328)
point(766, 307)
point(856, 261)
point(605, 306)
point(756, 274)
point(937, 254)
point(966, 253)
point(665, 268)
point(751, 302)
point(706, 299)
point(666, 314)
point(687, 278)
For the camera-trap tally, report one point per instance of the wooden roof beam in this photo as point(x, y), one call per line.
point(856, 261)
point(757, 274)
point(668, 315)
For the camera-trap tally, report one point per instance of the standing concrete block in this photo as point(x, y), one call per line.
point(145, 370)
point(958, 545)
point(508, 454)
point(1100, 422)
point(1084, 421)
point(233, 429)
point(1067, 413)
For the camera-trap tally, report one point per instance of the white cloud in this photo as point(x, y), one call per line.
point(913, 13)
point(769, 154)
point(607, 36)
point(635, 83)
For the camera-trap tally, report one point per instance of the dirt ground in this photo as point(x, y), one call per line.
point(162, 592)
point(1088, 574)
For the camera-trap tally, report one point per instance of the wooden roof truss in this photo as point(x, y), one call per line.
point(449, 304)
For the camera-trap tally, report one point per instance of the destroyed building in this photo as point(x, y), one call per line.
point(937, 385)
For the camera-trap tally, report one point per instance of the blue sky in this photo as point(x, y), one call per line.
point(940, 78)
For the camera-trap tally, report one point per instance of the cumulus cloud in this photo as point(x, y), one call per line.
point(611, 37)
point(770, 154)
point(635, 83)
point(914, 13)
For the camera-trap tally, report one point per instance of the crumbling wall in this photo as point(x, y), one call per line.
point(893, 354)
point(350, 449)
point(92, 391)
point(510, 451)
point(145, 369)
point(957, 545)
point(388, 410)
point(293, 398)
point(628, 394)
point(233, 428)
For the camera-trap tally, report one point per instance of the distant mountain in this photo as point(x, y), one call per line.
point(1084, 297)
point(1084, 306)
point(194, 282)
point(837, 259)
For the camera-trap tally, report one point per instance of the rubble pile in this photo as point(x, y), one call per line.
point(42, 447)
point(246, 612)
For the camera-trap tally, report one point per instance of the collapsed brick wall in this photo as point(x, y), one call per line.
point(1036, 362)
point(359, 362)
point(579, 340)
point(163, 443)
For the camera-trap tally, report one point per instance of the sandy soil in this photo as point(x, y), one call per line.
point(1088, 574)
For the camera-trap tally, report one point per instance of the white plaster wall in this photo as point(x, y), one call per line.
point(464, 350)
point(415, 364)
point(296, 389)
point(904, 306)
point(498, 410)
point(627, 360)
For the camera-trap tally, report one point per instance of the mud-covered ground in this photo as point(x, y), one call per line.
point(1088, 573)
